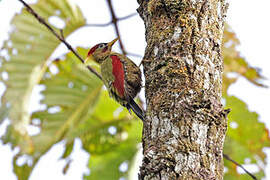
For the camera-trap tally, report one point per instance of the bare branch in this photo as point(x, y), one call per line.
point(115, 21)
point(59, 37)
point(126, 17)
point(239, 165)
point(98, 25)
point(135, 55)
point(111, 22)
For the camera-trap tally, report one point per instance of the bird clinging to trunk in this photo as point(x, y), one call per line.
point(121, 76)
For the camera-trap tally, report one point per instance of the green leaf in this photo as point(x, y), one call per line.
point(109, 149)
point(250, 137)
point(106, 165)
point(94, 132)
point(3, 113)
point(23, 171)
point(70, 96)
point(74, 92)
point(68, 149)
point(28, 49)
point(246, 138)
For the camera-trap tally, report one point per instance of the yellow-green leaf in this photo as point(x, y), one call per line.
point(27, 51)
point(235, 63)
point(245, 140)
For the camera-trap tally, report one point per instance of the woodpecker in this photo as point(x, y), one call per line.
point(121, 76)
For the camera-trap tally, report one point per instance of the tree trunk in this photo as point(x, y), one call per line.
point(185, 123)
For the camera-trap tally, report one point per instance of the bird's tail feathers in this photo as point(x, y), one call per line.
point(136, 109)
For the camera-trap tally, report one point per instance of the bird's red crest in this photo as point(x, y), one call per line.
point(92, 50)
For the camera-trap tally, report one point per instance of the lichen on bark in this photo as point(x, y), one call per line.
point(185, 123)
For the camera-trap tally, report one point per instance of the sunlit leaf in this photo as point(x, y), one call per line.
point(108, 164)
point(68, 149)
point(23, 171)
point(245, 140)
point(235, 63)
point(26, 56)
point(3, 113)
point(111, 136)
point(70, 96)
point(102, 131)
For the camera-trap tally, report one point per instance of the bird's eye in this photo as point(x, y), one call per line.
point(102, 45)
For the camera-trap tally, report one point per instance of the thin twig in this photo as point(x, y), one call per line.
point(98, 25)
point(111, 22)
point(126, 17)
point(114, 21)
point(42, 21)
point(134, 55)
point(239, 165)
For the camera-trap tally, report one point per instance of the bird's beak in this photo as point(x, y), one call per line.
point(110, 44)
point(88, 59)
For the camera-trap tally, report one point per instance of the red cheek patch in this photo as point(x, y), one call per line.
point(92, 50)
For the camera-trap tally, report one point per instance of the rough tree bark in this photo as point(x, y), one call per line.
point(185, 124)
